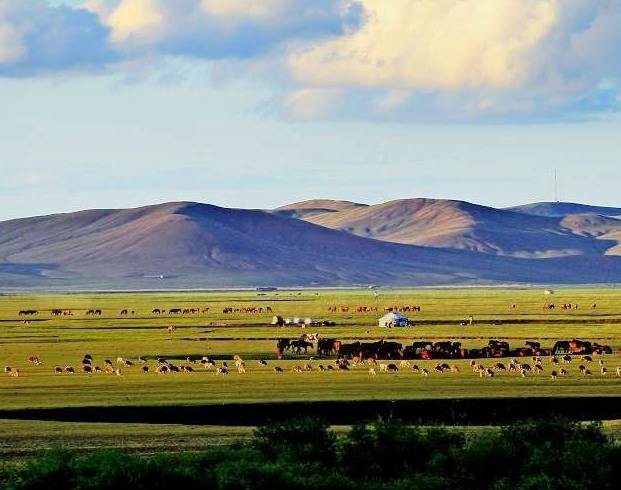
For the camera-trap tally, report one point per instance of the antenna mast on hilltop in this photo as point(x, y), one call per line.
point(556, 199)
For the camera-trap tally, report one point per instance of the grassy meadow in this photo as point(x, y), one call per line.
point(64, 340)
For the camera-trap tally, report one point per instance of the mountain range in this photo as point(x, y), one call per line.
point(407, 242)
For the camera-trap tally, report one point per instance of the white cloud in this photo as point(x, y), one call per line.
point(497, 51)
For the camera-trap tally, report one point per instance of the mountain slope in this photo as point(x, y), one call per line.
point(199, 245)
point(315, 207)
point(466, 226)
point(562, 209)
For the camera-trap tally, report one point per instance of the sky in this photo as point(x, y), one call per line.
point(258, 103)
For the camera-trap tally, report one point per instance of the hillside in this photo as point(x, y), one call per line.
point(465, 226)
point(199, 245)
point(562, 209)
point(315, 207)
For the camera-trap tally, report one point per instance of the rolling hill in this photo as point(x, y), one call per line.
point(562, 209)
point(314, 207)
point(193, 245)
point(465, 226)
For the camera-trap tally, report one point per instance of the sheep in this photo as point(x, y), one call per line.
point(262, 362)
point(405, 364)
point(587, 359)
point(241, 367)
point(415, 368)
point(278, 369)
point(562, 372)
point(15, 372)
point(345, 367)
point(425, 372)
point(383, 366)
point(118, 372)
point(97, 369)
point(603, 371)
point(392, 368)
point(7, 369)
point(554, 360)
point(553, 374)
point(87, 369)
point(58, 370)
point(69, 370)
point(222, 370)
point(142, 359)
point(372, 371)
point(129, 363)
point(567, 359)
point(145, 369)
point(120, 360)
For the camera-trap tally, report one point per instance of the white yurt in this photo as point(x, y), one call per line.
point(393, 319)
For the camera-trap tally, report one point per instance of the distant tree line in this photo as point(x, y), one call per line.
point(384, 455)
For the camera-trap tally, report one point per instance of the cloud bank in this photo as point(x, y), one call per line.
point(400, 59)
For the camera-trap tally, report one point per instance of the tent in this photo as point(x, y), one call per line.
point(393, 319)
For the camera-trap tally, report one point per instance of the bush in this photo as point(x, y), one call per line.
point(385, 455)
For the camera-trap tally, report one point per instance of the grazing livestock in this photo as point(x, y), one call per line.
point(58, 370)
point(15, 372)
point(372, 372)
point(97, 369)
point(262, 362)
point(222, 370)
point(278, 369)
point(33, 359)
point(69, 370)
point(553, 374)
point(587, 359)
point(603, 371)
point(145, 369)
point(87, 369)
point(392, 368)
point(162, 369)
point(425, 372)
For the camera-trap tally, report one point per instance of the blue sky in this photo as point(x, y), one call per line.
point(129, 102)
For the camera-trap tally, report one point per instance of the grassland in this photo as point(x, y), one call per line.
point(62, 341)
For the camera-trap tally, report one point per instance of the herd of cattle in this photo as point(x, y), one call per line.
point(154, 311)
point(349, 356)
point(428, 350)
point(260, 309)
point(373, 309)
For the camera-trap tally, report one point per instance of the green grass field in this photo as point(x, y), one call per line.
point(63, 341)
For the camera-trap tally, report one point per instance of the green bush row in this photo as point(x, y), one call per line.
point(387, 454)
